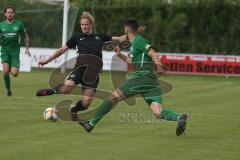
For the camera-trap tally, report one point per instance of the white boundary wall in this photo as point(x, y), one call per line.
point(221, 62)
point(43, 53)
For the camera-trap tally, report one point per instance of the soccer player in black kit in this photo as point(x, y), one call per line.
point(84, 72)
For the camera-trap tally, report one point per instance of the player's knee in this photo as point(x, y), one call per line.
point(156, 109)
point(156, 113)
point(86, 101)
point(14, 72)
point(6, 71)
point(65, 89)
point(116, 96)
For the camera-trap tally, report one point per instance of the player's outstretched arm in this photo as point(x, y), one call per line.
point(26, 41)
point(55, 55)
point(120, 38)
point(123, 57)
point(160, 69)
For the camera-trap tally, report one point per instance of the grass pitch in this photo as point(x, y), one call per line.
point(213, 132)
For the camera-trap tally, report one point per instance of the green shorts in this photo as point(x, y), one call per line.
point(11, 57)
point(148, 86)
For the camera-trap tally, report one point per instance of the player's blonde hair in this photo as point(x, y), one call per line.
point(87, 15)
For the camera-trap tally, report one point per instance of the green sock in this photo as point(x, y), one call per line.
point(7, 81)
point(169, 115)
point(102, 110)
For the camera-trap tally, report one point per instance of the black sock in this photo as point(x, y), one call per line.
point(78, 107)
point(57, 89)
point(7, 82)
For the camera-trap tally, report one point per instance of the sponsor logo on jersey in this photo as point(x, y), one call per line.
point(97, 37)
point(9, 34)
point(15, 28)
point(72, 76)
point(81, 39)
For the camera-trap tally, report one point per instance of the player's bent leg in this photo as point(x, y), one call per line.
point(102, 110)
point(116, 96)
point(14, 71)
point(83, 104)
point(59, 89)
point(6, 68)
point(68, 86)
point(164, 113)
point(156, 109)
point(6, 78)
point(170, 115)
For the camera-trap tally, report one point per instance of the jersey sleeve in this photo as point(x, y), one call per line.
point(72, 42)
point(105, 37)
point(144, 46)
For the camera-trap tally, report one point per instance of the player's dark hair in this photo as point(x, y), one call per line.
point(132, 23)
point(9, 7)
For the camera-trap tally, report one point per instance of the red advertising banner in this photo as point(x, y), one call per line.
point(201, 64)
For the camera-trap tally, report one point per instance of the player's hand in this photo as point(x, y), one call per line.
point(27, 52)
point(117, 50)
point(141, 29)
point(42, 62)
point(162, 70)
point(122, 38)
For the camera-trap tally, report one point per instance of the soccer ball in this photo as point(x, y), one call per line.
point(50, 114)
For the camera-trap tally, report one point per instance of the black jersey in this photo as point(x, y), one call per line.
point(88, 44)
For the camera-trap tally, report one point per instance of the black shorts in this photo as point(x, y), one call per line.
point(87, 78)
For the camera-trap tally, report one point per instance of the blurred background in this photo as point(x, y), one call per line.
point(179, 26)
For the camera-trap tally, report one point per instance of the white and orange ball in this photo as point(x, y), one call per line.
point(50, 114)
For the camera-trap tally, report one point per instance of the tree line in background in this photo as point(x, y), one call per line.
point(43, 22)
point(199, 26)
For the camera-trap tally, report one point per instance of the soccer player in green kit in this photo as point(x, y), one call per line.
point(11, 31)
point(143, 81)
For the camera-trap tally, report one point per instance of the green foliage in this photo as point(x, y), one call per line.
point(203, 26)
point(43, 22)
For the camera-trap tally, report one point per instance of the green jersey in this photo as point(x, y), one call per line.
point(11, 34)
point(141, 61)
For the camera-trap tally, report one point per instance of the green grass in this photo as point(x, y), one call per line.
point(213, 132)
